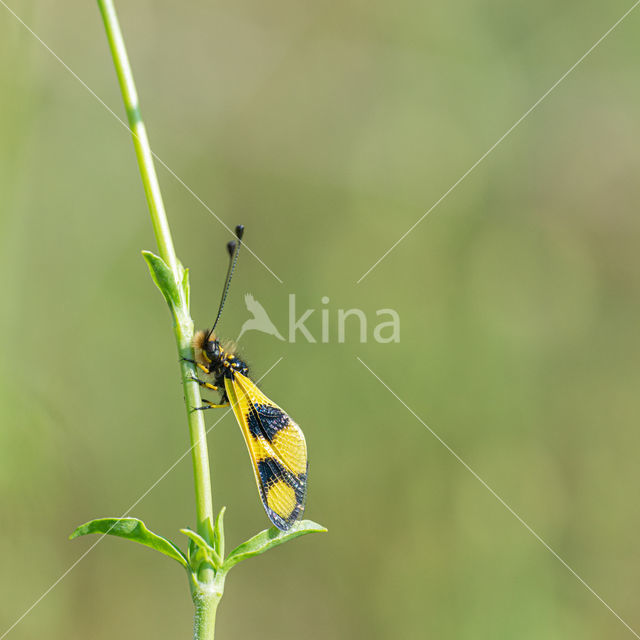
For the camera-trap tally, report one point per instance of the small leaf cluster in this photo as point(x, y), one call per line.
point(199, 554)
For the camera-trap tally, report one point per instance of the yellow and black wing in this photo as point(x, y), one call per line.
point(277, 448)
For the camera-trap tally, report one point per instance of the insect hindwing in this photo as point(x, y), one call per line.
point(277, 448)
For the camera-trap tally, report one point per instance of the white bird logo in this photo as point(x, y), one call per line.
point(260, 321)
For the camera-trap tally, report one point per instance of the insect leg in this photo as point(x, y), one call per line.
point(202, 383)
point(200, 366)
point(211, 405)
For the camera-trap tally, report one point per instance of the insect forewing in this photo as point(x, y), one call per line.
point(277, 449)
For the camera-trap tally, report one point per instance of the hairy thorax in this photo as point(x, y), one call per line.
point(218, 359)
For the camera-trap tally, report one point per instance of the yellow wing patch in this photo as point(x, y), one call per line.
point(277, 449)
point(281, 498)
point(289, 444)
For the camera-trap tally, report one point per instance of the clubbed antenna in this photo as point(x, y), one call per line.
point(233, 248)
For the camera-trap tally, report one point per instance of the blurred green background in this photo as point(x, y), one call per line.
point(328, 129)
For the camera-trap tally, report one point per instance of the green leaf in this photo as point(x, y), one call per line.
point(131, 529)
point(163, 277)
point(202, 544)
point(186, 288)
point(218, 533)
point(268, 539)
point(197, 538)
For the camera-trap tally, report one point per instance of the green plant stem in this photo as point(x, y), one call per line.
point(206, 602)
point(205, 618)
point(139, 134)
point(183, 324)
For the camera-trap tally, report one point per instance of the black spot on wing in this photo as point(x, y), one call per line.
point(271, 471)
point(266, 420)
